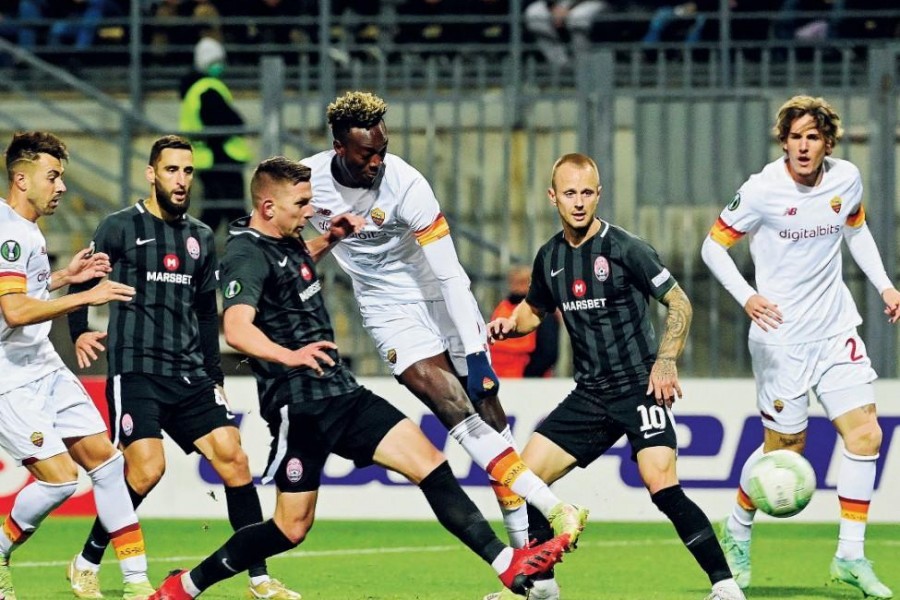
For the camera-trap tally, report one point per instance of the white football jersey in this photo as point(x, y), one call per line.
point(385, 259)
point(26, 353)
point(795, 242)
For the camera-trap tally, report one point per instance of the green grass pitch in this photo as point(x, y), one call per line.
point(386, 560)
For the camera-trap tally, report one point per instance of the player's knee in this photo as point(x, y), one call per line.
point(420, 465)
point(295, 530)
point(143, 477)
point(232, 465)
point(864, 440)
point(774, 440)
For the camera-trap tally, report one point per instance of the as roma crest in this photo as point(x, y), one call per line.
point(377, 216)
point(836, 204)
point(601, 268)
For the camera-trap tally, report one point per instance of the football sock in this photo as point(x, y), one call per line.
point(494, 454)
point(539, 529)
point(247, 546)
point(512, 506)
point(694, 530)
point(743, 511)
point(32, 504)
point(116, 513)
point(98, 539)
point(459, 515)
point(856, 482)
point(244, 509)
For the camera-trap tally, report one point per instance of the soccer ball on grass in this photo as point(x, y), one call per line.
point(781, 483)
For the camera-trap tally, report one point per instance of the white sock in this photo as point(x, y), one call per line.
point(82, 564)
point(116, 513)
point(494, 454)
point(258, 579)
point(32, 505)
point(188, 584)
point(743, 511)
point(503, 560)
point(856, 483)
point(513, 507)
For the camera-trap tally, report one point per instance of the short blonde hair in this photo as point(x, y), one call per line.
point(828, 122)
point(354, 109)
point(579, 160)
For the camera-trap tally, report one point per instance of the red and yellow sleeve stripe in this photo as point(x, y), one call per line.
point(438, 229)
point(724, 233)
point(857, 219)
point(12, 282)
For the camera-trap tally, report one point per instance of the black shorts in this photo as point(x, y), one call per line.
point(587, 424)
point(143, 406)
point(350, 426)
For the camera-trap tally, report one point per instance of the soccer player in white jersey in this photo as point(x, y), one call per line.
point(415, 300)
point(48, 423)
point(803, 336)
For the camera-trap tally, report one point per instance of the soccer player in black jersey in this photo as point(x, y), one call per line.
point(164, 364)
point(600, 277)
point(274, 313)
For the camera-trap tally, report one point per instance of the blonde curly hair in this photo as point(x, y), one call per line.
point(354, 109)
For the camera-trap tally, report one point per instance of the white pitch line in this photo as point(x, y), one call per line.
point(190, 560)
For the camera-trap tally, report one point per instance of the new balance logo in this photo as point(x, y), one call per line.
point(141, 242)
point(790, 212)
point(556, 272)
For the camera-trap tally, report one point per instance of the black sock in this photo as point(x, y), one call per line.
point(98, 538)
point(695, 531)
point(244, 509)
point(539, 529)
point(250, 545)
point(458, 514)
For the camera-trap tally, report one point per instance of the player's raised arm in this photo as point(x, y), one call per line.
point(340, 227)
point(242, 335)
point(19, 309)
point(524, 319)
point(86, 265)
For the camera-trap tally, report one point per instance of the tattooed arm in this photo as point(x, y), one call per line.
point(664, 374)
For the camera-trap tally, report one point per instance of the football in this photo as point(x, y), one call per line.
point(781, 483)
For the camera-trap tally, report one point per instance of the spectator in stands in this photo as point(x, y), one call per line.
point(534, 354)
point(73, 20)
point(788, 26)
point(218, 158)
point(670, 13)
point(183, 23)
point(548, 19)
point(268, 21)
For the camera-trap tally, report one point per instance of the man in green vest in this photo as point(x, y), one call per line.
point(206, 102)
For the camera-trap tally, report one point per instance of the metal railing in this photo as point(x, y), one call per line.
point(675, 129)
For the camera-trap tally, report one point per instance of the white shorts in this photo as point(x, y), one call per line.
point(837, 369)
point(37, 417)
point(408, 333)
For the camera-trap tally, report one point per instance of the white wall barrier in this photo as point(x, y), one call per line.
point(717, 428)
